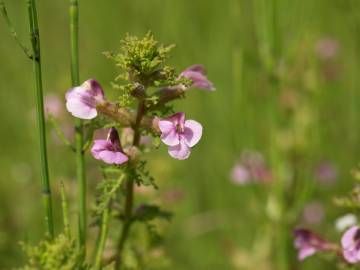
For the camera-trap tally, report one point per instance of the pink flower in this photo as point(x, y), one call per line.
point(326, 172)
point(251, 168)
point(313, 213)
point(327, 48)
point(197, 74)
point(81, 101)
point(109, 150)
point(240, 174)
point(350, 243)
point(180, 135)
point(307, 243)
point(256, 165)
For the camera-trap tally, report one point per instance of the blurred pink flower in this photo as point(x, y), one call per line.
point(197, 74)
point(325, 172)
point(180, 135)
point(350, 243)
point(240, 174)
point(313, 213)
point(81, 101)
point(250, 168)
point(257, 166)
point(308, 243)
point(53, 105)
point(327, 48)
point(109, 150)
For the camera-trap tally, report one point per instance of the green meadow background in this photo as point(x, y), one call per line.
point(217, 224)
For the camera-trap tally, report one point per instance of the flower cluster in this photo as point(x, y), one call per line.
point(88, 101)
point(139, 117)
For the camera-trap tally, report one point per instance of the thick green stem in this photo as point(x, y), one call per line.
point(79, 133)
point(35, 42)
point(129, 189)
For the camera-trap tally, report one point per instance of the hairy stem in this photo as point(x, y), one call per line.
point(103, 234)
point(129, 199)
point(65, 210)
point(128, 118)
point(79, 133)
point(100, 243)
point(35, 42)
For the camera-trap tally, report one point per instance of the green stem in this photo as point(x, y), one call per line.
point(103, 234)
point(35, 42)
point(79, 133)
point(12, 30)
point(129, 189)
point(65, 210)
point(100, 243)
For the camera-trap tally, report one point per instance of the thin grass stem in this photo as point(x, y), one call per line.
point(79, 133)
point(35, 42)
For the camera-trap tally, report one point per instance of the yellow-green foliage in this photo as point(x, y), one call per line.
point(60, 254)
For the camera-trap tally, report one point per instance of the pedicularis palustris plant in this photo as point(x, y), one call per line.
point(142, 115)
point(146, 87)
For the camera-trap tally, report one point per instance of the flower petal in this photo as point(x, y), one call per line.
point(94, 87)
point(171, 138)
point(111, 157)
point(180, 151)
point(199, 79)
point(81, 101)
point(240, 175)
point(107, 156)
point(197, 67)
point(192, 132)
point(80, 110)
point(75, 92)
point(305, 252)
point(120, 158)
point(166, 126)
point(113, 136)
point(347, 239)
point(351, 255)
point(98, 146)
point(177, 119)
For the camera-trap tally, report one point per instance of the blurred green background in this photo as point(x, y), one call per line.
point(243, 44)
